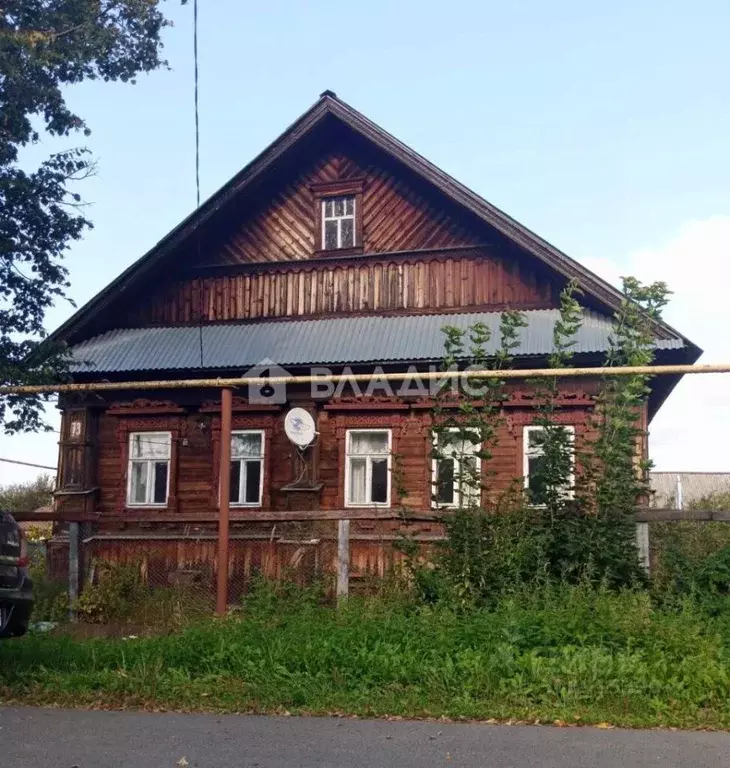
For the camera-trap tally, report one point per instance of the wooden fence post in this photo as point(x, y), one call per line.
point(642, 544)
point(343, 560)
point(224, 480)
point(73, 569)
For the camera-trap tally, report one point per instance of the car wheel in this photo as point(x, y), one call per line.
point(6, 616)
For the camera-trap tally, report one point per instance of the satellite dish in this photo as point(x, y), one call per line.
point(299, 427)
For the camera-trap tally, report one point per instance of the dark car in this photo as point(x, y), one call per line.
point(16, 587)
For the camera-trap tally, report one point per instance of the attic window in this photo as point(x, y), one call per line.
point(338, 217)
point(338, 222)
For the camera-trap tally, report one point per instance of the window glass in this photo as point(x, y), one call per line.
point(160, 493)
point(247, 467)
point(338, 222)
point(534, 463)
point(150, 445)
point(348, 233)
point(253, 482)
point(445, 481)
point(330, 235)
point(139, 482)
point(358, 481)
point(149, 468)
point(379, 492)
point(246, 444)
point(364, 443)
point(456, 469)
point(368, 467)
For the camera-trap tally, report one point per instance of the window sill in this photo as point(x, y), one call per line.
point(455, 506)
point(371, 505)
point(334, 253)
point(146, 506)
point(544, 506)
point(238, 505)
point(75, 492)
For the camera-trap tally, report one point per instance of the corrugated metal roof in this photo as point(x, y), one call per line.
point(329, 341)
point(694, 486)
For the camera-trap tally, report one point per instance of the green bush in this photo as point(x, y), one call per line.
point(489, 555)
point(116, 594)
point(120, 596)
point(691, 558)
point(50, 598)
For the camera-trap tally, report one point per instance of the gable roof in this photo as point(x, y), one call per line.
point(329, 106)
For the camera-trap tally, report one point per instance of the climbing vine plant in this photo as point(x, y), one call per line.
point(573, 519)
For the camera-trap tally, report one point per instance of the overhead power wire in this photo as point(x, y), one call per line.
point(27, 464)
point(197, 114)
point(197, 163)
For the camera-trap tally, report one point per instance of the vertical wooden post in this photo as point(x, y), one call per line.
point(73, 568)
point(642, 544)
point(642, 529)
point(224, 480)
point(343, 560)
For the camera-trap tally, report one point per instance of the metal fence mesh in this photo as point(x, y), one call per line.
point(169, 578)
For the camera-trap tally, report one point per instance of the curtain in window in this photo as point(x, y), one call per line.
point(358, 481)
point(368, 443)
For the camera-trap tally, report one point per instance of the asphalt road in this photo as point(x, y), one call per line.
point(54, 738)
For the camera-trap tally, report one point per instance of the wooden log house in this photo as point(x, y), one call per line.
point(338, 247)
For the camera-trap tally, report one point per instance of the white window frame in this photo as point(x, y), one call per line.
point(241, 477)
point(159, 437)
point(368, 466)
point(435, 503)
point(528, 453)
point(339, 220)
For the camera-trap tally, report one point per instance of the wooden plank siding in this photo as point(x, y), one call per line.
point(193, 476)
point(396, 215)
point(180, 537)
point(432, 282)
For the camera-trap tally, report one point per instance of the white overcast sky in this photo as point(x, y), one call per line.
point(689, 431)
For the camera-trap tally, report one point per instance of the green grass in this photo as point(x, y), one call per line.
point(573, 654)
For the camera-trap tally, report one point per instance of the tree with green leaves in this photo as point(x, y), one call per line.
point(46, 46)
point(28, 496)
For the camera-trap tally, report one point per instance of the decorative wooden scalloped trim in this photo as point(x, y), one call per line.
point(141, 406)
point(240, 404)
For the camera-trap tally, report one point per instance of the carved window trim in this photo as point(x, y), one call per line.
point(125, 426)
point(347, 188)
point(265, 423)
point(455, 456)
point(342, 424)
point(150, 465)
point(242, 462)
point(529, 452)
point(369, 459)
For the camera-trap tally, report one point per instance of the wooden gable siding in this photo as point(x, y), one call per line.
point(420, 284)
point(396, 214)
